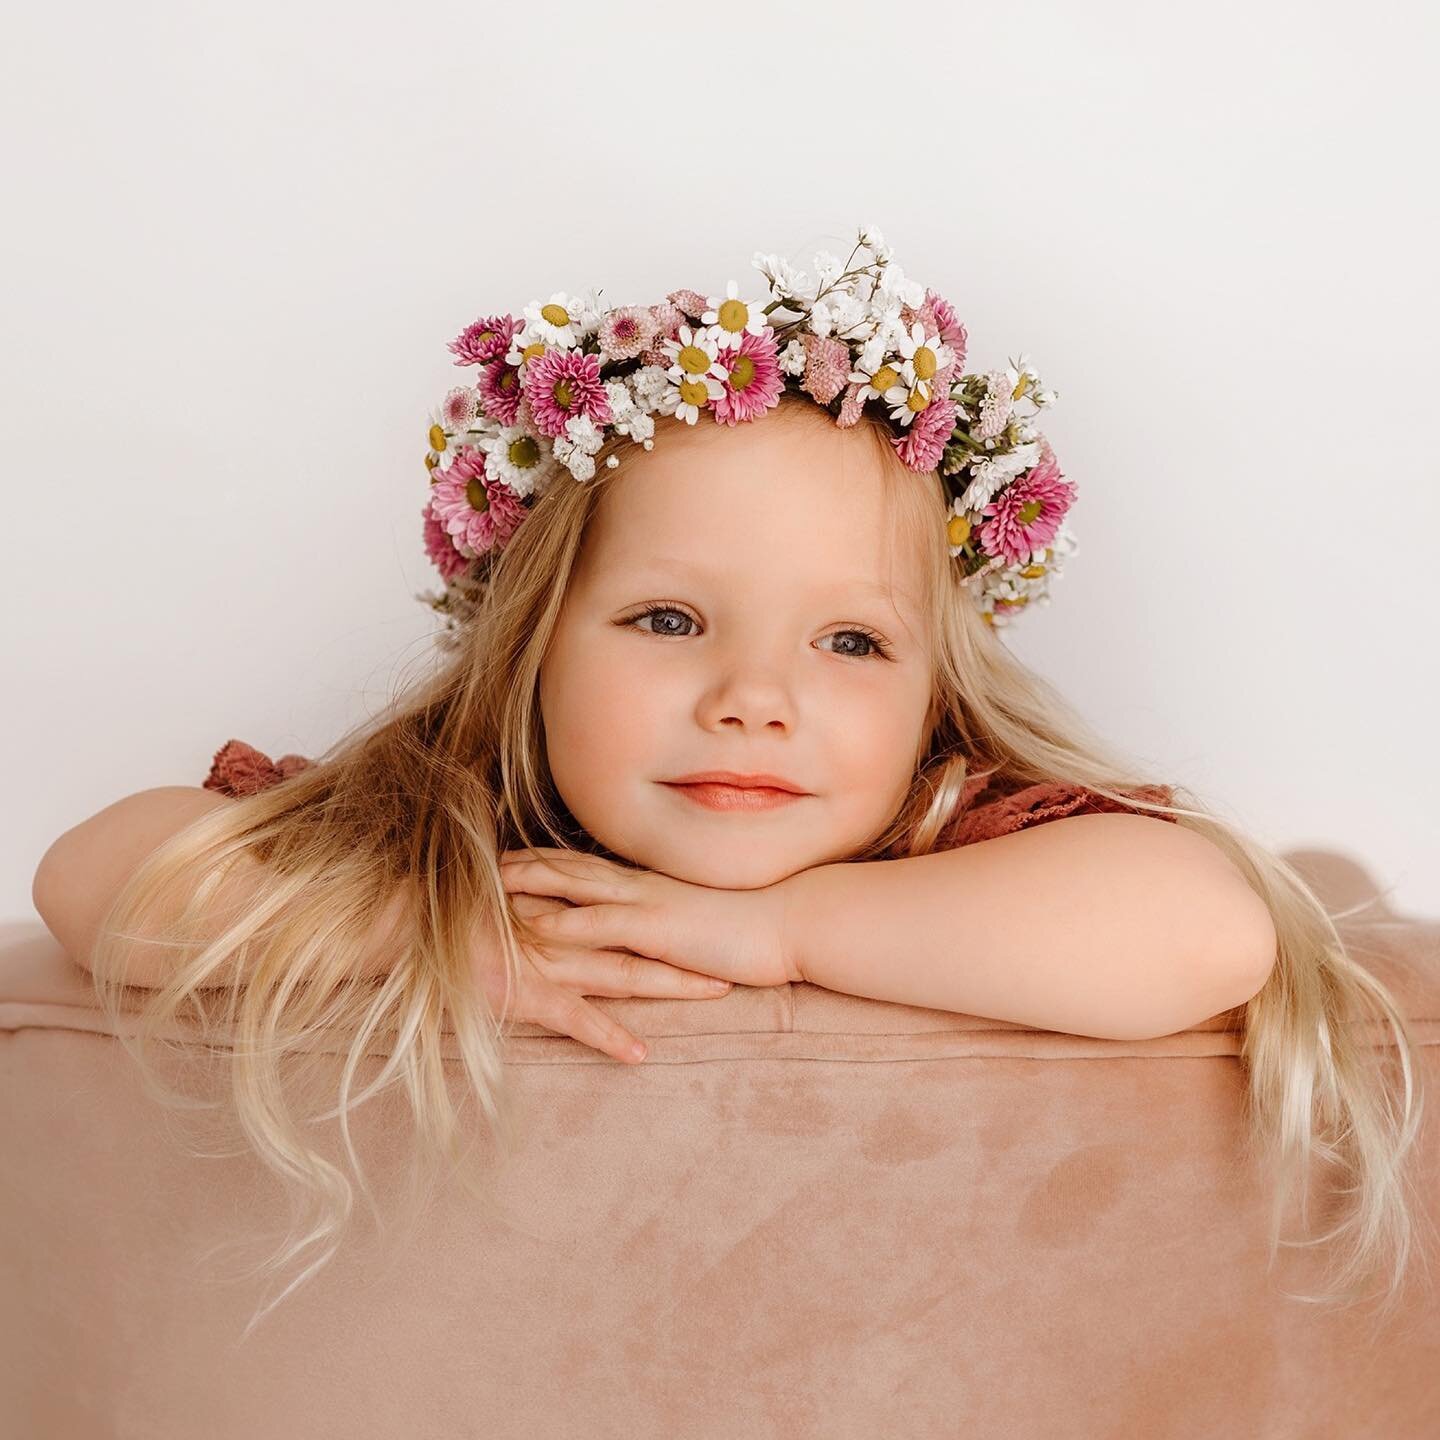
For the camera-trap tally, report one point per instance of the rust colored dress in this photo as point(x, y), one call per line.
point(989, 807)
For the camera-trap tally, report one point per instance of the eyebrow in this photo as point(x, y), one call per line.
point(701, 572)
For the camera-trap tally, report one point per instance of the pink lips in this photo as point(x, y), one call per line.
point(715, 796)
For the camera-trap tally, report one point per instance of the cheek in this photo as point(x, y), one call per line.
point(873, 750)
point(603, 721)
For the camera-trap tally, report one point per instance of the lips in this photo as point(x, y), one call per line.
point(752, 780)
point(723, 796)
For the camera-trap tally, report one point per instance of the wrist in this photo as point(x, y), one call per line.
point(794, 893)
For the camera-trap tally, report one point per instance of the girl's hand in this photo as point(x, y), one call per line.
point(732, 934)
point(553, 979)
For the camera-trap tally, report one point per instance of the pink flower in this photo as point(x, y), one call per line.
point(925, 314)
point(458, 408)
point(668, 320)
point(995, 407)
point(827, 366)
point(484, 340)
point(441, 548)
point(850, 406)
point(952, 332)
point(692, 302)
point(1025, 515)
point(499, 387)
point(626, 331)
point(476, 512)
point(753, 381)
point(561, 384)
point(924, 441)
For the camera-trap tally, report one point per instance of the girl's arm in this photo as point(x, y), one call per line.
point(81, 873)
point(1118, 926)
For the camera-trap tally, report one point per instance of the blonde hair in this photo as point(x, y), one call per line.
point(415, 804)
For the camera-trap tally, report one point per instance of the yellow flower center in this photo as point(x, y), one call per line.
point(475, 494)
point(533, 351)
point(431, 461)
point(1029, 512)
point(884, 378)
point(563, 394)
point(989, 619)
point(1021, 388)
point(1033, 572)
point(693, 360)
point(695, 392)
point(742, 373)
point(734, 315)
point(957, 529)
point(555, 314)
point(1011, 604)
point(917, 399)
point(523, 452)
point(924, 362)
point(437, 438)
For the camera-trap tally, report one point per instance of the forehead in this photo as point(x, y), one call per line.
point(757, 503)
point(824, 585)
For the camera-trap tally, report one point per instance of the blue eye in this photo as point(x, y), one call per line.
point(879, 649)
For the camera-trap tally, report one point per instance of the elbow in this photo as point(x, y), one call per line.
point(1234, 963)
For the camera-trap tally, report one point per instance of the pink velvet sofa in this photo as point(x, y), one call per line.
point(807, 1214)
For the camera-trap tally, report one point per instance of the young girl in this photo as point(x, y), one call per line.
point(732, 709)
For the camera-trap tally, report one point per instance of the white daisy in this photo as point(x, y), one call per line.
point(688, 396)
point(878, 381)
point(444, 437)
point(733, 318)
point(907, 401)
point(923, 356)
point(519, 457)
point(959, 532)
point(693, 354)
point(558, 322)
point(694, 376)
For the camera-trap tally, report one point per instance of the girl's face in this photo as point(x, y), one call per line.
point(767, 546)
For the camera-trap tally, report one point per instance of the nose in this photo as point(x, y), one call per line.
point(751, 694)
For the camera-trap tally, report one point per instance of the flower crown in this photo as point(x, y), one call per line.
point(552, 387)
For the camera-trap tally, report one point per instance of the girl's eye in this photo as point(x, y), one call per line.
point(878, 648)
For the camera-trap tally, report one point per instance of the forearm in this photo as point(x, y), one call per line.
point(1117, 926)
point(84, 870)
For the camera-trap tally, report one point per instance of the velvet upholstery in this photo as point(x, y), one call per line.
point(806, 1214)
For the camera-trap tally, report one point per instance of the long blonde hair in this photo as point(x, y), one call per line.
point(415, 804)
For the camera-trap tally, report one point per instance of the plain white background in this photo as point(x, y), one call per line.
point(240, 237)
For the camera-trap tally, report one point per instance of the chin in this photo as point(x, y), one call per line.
point(745, 866)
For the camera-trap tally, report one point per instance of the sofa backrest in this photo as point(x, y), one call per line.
point(806, 1213)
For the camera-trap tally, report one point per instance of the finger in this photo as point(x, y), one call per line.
point(590, 1025)
point(598, 927)
point(527, 904)
point(583, 878)
point(617, 973)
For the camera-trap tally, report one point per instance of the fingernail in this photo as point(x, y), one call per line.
point(638, 1050)
point(718, 985)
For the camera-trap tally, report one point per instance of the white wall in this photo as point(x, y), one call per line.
point(240, 238)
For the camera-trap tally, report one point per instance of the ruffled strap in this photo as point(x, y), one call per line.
point(240, 769)
point(1014, 810)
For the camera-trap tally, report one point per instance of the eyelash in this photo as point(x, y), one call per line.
point(881, 652)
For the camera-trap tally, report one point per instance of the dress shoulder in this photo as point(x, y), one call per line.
point(240, 769)
point(988, 811)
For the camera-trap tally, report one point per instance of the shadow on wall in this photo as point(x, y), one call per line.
point(1344, 883)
